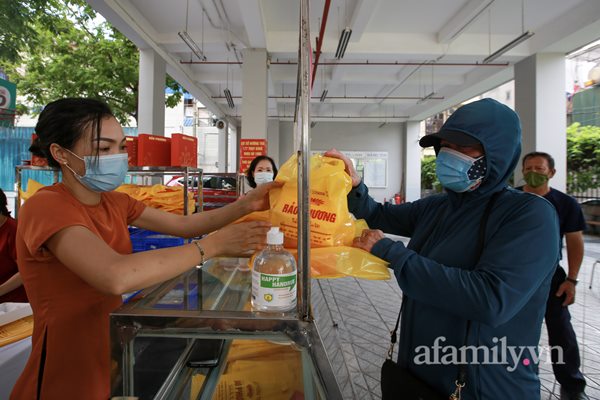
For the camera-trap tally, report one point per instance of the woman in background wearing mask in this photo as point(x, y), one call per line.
point(74, 249)
point(262, 170)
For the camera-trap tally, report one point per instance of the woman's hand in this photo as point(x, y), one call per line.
point(240, 240)
point(367, 240)
point(348, 163)
point(258, 199)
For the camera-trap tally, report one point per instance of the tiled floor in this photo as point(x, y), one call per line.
point(360, 314)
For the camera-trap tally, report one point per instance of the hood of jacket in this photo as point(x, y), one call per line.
point(498, 129)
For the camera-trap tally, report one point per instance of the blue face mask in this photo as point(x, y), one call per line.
point(104, 173)
point(457, 171)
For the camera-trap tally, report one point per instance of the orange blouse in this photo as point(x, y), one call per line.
point(70, 356)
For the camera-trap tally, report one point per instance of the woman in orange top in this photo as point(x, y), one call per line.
point(74, 250)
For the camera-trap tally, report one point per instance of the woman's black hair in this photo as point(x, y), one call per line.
point(252, 167)
point(64, 122)
point(4, 204)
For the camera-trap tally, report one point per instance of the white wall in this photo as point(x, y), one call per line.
point(354, 136)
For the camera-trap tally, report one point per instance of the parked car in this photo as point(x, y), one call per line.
point(217, 190)
point(591, 213)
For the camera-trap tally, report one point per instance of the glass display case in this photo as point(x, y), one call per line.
point(196, 337)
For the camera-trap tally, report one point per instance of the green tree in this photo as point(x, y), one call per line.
point(17, 31)
point(583, 157)
point(428, 177)
point(73, 54)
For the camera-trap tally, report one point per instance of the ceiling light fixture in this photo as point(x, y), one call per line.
point(227, 92)
point(229, 98)
point(424, 99)
point(323, 95)
point(515, 42)
point(524, 36)
point(192, 45)
point(187, 39)
point(343, 43)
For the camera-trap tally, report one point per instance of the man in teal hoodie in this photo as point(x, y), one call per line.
point(502, 291)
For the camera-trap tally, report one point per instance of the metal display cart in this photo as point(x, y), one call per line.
point(212, 303)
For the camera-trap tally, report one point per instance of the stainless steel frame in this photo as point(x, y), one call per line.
point(302, 135)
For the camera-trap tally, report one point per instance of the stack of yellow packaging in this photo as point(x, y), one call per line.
point(167, 198)
point(258, 370)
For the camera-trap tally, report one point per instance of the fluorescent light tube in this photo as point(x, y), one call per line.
point(192, 45)
point(343, 43)
point(507, 47)
point(323, 95)
point(424, 99)
point(229, 98)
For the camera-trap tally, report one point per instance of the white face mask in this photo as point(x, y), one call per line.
point(263, 177)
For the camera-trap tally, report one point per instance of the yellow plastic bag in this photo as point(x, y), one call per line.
point(347, 261)
point(332, 227)
point(331, 224)
point(342, 261)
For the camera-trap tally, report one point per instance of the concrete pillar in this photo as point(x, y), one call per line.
point(412, 161)
point(151, 98)
point(273, 141)
point(540, 101)
point(223, 133)
point(254, 78)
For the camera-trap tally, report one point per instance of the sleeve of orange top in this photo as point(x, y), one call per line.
point(43, 215)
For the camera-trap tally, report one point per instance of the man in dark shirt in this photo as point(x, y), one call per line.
point(538, 169)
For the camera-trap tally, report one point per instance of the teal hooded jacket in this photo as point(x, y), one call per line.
point(503, 292)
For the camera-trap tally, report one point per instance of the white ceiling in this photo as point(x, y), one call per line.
point(426, 34)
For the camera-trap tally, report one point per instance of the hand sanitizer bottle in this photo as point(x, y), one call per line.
point(274, 276)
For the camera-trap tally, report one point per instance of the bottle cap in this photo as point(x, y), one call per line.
point(274, 236)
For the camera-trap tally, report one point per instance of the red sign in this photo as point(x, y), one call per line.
point(249, 150)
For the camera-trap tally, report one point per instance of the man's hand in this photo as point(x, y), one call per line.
point(568, 289)
point(348, 163)
point(368, 239)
